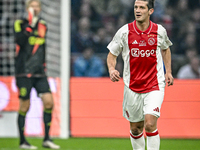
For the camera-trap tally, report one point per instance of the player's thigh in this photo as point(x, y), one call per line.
point(24, 85)
point(153, 101)
point(132, 106)
point(43, 90)
point(41, 85)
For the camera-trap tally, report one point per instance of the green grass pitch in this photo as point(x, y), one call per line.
point(101, 144)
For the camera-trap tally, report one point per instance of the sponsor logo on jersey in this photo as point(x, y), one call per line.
point(135, 42)
point(151, 41)
point(142, 43)
point(136, 52)
point(36, 40)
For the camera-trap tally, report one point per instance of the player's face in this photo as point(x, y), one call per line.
point(142, 13)
point(36, 7)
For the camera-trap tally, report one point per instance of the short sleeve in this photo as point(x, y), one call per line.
point(165, 39)
point(116, 45)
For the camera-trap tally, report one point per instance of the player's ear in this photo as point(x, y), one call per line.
point(151, 11)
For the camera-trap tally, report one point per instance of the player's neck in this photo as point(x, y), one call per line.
point(143, 25)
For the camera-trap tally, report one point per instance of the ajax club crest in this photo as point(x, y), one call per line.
point(151, 41)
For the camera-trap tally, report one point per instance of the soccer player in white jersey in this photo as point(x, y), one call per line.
point(144, 46)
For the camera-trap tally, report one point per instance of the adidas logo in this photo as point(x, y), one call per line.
point(135, 42)
point(156, 109)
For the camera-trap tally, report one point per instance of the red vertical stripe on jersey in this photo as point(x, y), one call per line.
point(143, 59)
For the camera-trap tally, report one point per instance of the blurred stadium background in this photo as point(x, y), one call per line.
point(85, 104)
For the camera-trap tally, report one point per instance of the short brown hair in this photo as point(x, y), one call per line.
point(30, 1)
point(150, 3)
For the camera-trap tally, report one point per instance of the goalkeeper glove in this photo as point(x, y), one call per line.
point(32, 18)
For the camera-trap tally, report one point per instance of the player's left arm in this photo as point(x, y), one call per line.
point(166, 55)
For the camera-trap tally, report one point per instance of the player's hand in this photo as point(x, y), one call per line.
point(30, 15)
point(32, 18)
point(114, 75)
point(169, 79)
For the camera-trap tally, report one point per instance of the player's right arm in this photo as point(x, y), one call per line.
point(166, 55)
point(115, 47)
point(22, 29)
point(111, 63)
point(21, 33)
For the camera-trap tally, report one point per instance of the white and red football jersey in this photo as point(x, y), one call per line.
point(141, 52)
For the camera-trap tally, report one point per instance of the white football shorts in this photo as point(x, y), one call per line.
point(137, 105)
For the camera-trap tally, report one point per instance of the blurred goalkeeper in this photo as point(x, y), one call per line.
point(30, 68)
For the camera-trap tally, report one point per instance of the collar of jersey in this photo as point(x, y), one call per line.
point(138, 31)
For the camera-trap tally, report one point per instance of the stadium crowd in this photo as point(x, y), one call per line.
point(94, 23)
